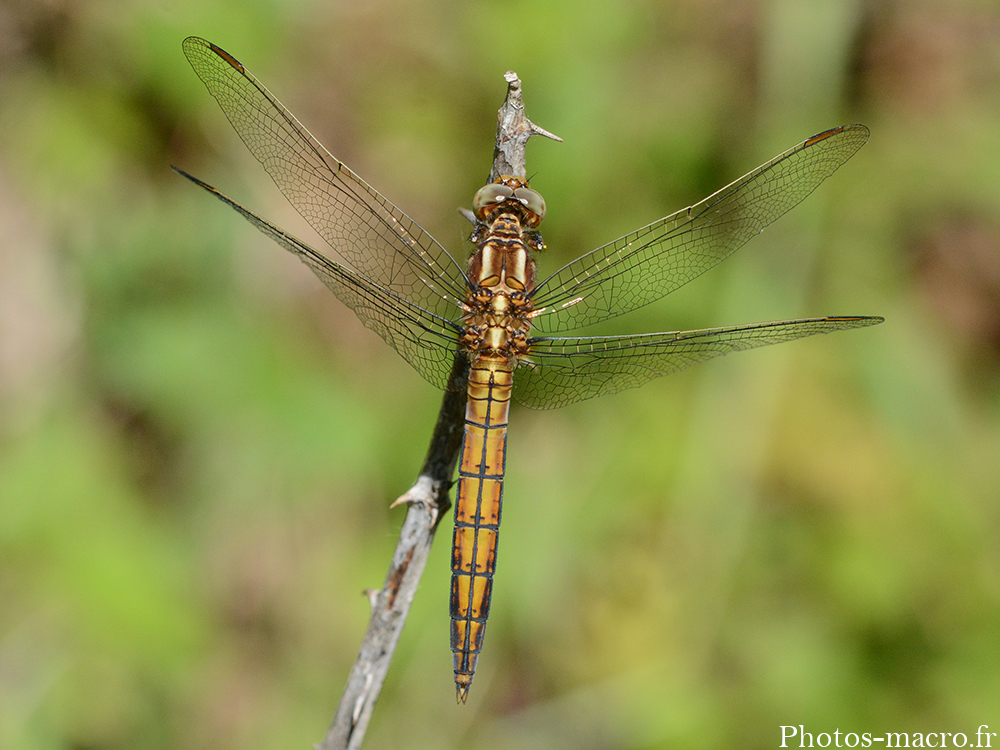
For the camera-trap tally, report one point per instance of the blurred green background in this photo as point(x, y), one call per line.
point(199, 444)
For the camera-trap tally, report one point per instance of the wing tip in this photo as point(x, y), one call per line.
point(858, 320)
point(189, 44)
point(856, 128)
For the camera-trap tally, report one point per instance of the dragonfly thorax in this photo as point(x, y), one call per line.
point(496, 326)
point(501, 276)
point(502, 262)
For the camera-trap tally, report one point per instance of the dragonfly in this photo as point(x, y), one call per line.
point(494, 310)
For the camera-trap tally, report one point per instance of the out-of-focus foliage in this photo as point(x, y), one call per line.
point(198, 444)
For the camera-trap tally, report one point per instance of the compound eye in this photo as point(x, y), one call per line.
point(488, 197)
point(532, 201)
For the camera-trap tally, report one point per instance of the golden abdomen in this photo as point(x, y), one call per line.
point(477, 512)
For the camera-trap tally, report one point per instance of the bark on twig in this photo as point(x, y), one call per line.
point(513, 132)
point(427, 500)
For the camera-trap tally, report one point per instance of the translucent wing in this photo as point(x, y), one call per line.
point(653, 261)
point(424, 339)
point(562, 371)
point(373, 236)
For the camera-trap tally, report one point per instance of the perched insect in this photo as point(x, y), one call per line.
point(407, 288)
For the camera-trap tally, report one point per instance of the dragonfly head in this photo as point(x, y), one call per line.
point(507, 194)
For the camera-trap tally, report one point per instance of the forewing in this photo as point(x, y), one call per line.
point(424, 339)
point(653, 261)
point(562, 371)
point(366, 230)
